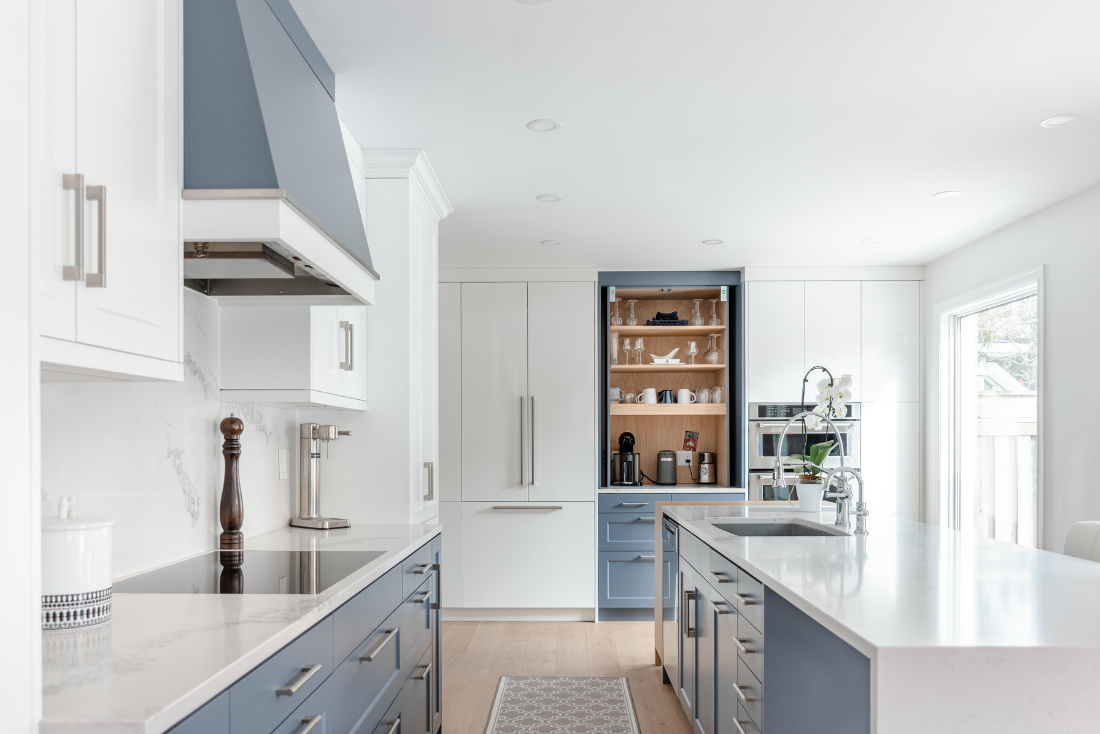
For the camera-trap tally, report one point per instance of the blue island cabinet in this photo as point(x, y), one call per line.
point(370, 667)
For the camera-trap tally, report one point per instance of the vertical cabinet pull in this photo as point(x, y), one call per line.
point(349, 346)
point(75, 182)
point(532, 439)
point(99, 279)
point(430, 466)
point(689, 613)
point(521, 474)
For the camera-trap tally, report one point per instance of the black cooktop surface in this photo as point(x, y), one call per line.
point(260, 572)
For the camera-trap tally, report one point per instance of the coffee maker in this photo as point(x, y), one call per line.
point(626, 468)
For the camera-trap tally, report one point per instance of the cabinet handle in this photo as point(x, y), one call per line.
point(373, 652)
point(422, 569)
point(740, 691)
point(309, 724)
point(724, 608)
point(430, 466)
point(346, 327)
point(740, 729)
point(393, 725)
point(521, 418)
point(745, 601)
point(526, 507)
point(689, 615)
point(650, 518)
point(532, 399)
point(721, 578)
point(75, 182)
point(423, 598)
point(99, 193)
point(291, 688)
point(633, 504)
point(424, 675)
point(646, 558)
point(741, 648)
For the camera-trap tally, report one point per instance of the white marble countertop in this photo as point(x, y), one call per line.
point(162, 656)
point(995, 634)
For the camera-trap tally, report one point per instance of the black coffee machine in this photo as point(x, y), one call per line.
point(626, 468)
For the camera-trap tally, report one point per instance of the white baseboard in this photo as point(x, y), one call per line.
point(564, 614)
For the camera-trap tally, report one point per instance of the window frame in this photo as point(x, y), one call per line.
point(948, 491)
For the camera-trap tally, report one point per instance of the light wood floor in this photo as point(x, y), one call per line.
point(476, 654)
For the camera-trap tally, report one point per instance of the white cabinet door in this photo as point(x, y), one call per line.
point(833, 323)
point(891, 341)
point(129, 143)
point(494, 391)
point(776, 339)
point(53, 154)
point(449, 472)
point(354, 378)
point(890, 453)
point(328, 341)
point(423, 242)
point(528, 558)
point(561, 388)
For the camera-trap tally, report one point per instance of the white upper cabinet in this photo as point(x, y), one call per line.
point(833, 324)
point(891, 341)
point(449, 471)
point(775, 340)
point(108, 77)
point(561, 390)
point(494, 391)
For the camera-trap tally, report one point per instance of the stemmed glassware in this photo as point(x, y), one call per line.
point(713, 356)
point(626, 349)
point(617, 320)
point(614, 347)
point(639, 345)
point(691, 352)
point(696, 314)
point(632, 320)
point(714, 321)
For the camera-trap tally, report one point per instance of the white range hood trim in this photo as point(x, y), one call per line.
point(268, 216)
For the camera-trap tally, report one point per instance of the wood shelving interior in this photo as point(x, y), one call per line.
point(667, 409)
point(644, 368)
point(668, 330)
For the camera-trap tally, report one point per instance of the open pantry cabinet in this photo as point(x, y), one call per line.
point(661, 426)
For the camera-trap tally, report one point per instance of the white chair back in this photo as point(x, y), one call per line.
point(1083, 540)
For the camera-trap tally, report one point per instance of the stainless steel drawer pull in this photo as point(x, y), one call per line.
point(721, 578)
point(689, 613)
point(651, 518)
point(740, 691)
point(422, 568)
point(99, 193)
point(373, 652)
point(309, 724)
point(742, 648)
point(430, 466)
point(633, 504)
point(745, 601)
point(522, 480)
point(75, 182)
point(300, 680)
point(724, 608)
point(526, 507)
point(647, 558)
point(740, 728)
point(393, 725)
point(532, 439)
point(424, 673)
point(423, 598)
point(345, 326)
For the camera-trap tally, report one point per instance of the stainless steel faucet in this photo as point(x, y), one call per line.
point(311, 435)
point(843, 497)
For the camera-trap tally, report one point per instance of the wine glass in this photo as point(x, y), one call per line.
point(632, 320)
point(713, 356)
point(617, 320)
point(691, 352)
point(696, 314)
point(614, 347)
point(714, 321)
point(626, 349)
point(639, 345)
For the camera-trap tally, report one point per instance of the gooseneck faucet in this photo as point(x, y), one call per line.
point(844, 496)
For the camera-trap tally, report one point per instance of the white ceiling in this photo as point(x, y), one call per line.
point(791, 129)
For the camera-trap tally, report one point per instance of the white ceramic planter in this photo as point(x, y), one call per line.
point(76, 571)
point(809, 496)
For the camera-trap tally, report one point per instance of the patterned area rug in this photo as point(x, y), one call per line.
point(538, 705)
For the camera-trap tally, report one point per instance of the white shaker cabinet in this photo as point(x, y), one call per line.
point(775, 340)
point(890, 453)
point(449, 473)
point(109, 114)
point(891, 341)
point(833, 325)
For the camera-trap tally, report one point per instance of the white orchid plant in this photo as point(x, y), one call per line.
point(832, 400)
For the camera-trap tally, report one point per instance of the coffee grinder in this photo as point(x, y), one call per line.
point(626, 468)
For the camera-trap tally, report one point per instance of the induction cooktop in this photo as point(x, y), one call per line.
point(260, 572)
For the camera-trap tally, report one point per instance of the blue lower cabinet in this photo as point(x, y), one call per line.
point(627, 531)
point(366, 610)
point(416, 568)
point(261, 700)
point(627, 580)
point(416, 705)
point(712, 496)
point(745, 722)
point(316, 715)
point(417, 627)
point(366, 683)
point(437, 604)
point(640, 503)
point(213, 718)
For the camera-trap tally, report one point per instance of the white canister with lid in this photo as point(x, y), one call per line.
point(76, 569)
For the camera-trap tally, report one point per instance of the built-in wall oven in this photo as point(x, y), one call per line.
point(766, 423)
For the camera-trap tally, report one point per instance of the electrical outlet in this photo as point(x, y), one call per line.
point(684, 458)
point(282, 464)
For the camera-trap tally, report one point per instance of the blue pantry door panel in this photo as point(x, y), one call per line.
point(627, 531)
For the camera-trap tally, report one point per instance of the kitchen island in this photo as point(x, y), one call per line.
point(911, 628)
point(163, 657)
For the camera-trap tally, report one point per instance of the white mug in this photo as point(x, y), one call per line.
point(683, 395)
point(648, 395)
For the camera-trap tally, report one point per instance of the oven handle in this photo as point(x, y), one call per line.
point(774, 428)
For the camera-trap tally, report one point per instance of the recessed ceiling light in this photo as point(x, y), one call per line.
point(712, 242)
point(1059, 120)
point(872, 241)
point(543, 126)
point(548, 198)
point(551, 243)
point(947, 195)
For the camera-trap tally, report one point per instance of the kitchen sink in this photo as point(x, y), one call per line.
point(784, 528)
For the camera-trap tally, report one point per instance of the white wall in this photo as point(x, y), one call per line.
point(1065, 241)
point(148, 454)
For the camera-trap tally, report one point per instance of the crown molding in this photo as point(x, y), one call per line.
point(413, 164)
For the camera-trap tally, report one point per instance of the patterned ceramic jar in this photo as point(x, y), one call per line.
point(76, 571)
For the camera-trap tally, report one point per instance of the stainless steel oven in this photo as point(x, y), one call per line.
point(766, 422)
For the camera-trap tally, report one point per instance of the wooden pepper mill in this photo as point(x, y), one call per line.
point(232, 509)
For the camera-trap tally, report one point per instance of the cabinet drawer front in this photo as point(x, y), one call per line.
point(627, 580)
point(260, 700)
point(364, 688)
point(366, 610)
point(416, 627)
point(711, 496)
point(416, 569)
point(320, 703)
point(640, 503)
point(696, 552)
point(416, 704)
point(752, 690)
point(627, 531)
point(213, 718)
point(722, 575)
point(745, 721)
point(753, 640)
point(751, 592)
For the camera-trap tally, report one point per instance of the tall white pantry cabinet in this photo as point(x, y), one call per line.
point(517, 446)
point(106, 178)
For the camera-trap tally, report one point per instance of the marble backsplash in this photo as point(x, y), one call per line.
point(148, 455)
